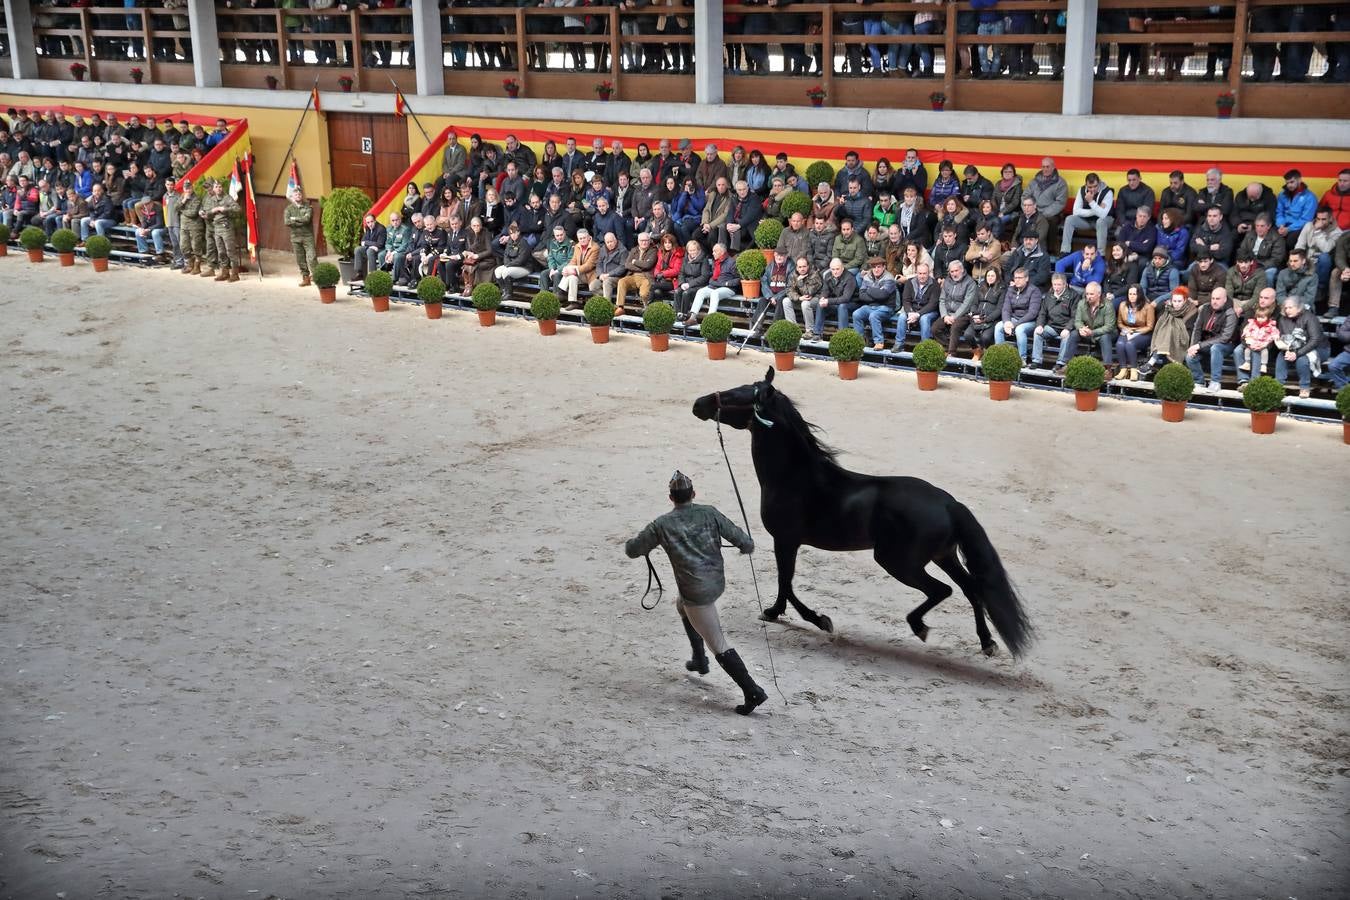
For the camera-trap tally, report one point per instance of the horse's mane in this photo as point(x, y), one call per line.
point(804, 431)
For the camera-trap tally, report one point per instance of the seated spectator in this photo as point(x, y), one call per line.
point(886, 212)
point(687, 210)
point(1091, 209)
point(1214, 236)
point(579, 267)
point(609, 267)
point(1297, 280)
point(1244, 283)
point(150, 228)
point(850, 248)
point(444, 256)
point(1214, 194)
point(1182, 197)
point(803, 289)
point(723, 281)
point(947, 249)
point(1339, 367)
point(101, 214)
point(1266, 245)
point(984, 215)
point(838, 289)
point(878, 298)
point(1340, 274)
point(73, 212)
point(975, 188)
point(1214, 336)
point(1135, 195)
point(716, 209)
point(1134, 327)
point(945, 185)
point(1139, 235)
point(695, 273)
point(1160, 278)
point(1083, 267)
point(638, 266)
point(1172, 328)
point(478, 261)
point(773, 298)
point(1302, 343)
point(1050, 192)
point(1094, 320)
point(367, 255)
point(1030, 255)
point(854, 204)
point(1257, 348)
point(916, 220)
point(985, 311)
point(517, 260)
point(557, 255)
point(824, 203)
point(1173, 235)
point(955, 301)
point(1337, 197)
point(746, 211)
point(953, 214)
point(983, 253)
point(1120, 274)
point(1055, 319)
point(1007, 199)
point(1256, 200)
point(51, 202)
point(669, 261)
point(1021, 306)
point(1205, 274)
point(919, 305)
point(1294, 206)
point(1318, 240)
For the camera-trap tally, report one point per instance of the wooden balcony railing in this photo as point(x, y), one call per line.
point(111, 40)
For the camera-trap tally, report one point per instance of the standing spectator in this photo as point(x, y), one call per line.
point(299, 220)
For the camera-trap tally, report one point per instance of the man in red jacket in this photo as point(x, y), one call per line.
point(1338, 198)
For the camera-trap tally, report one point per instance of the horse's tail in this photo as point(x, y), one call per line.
point(997, 594)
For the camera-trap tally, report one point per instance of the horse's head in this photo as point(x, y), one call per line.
point(737, 407)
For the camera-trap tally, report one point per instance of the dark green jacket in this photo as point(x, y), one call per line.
point(691, 534)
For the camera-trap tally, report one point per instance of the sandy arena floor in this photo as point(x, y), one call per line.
point(302, 601)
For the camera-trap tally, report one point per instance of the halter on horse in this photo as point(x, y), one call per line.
point(806, 497)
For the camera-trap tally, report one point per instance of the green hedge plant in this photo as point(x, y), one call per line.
point(64, 240)
point(783, 336)
point(930, 356)
point(1174, 382)
point(598, 312)
point(326, 275)
point(794, 202)
point(1001, 362)
point(486, 297)
point(379, 283)
point(817, 172)
point(750, 265)
point(1263, 394)
point(715, 328)
point(659, 317)
point(545, 305)
point(431, 290)
point(767, 233)
point(33, 238)
point(340, 215)
point(1343, 402)
point(1084, 373)
point(846, 345)
point(98, 247)
point(5, 233)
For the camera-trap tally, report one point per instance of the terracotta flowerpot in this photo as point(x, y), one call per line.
point(1346, 431)
point(35, 255)
point(927, 380)
point(513, 94)
point(1000, 390)
point(100, 263)
point(750, 290)
point(605, 97)
point(487, 317)
point(381, 304)
point(67, 259)
point(817, 101)
point(660, 342)
point(1173, 410)
point(433, 310)
point(717, 349)
point(768, 255)
point(600, 334)
point(1225, 112)
point(1263, 422)
point(1086, 401)
point(848, 369)
point(4, 250)
point(784, 362)
point(548, 327)
point(327, 294)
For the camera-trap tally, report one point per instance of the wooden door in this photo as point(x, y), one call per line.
point(367, 152)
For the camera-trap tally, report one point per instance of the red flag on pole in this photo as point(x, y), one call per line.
point(293, 181)
point(400, 106)
point(250, 209)
point(314, 96)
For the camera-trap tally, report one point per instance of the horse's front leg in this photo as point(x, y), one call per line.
point(787, 566)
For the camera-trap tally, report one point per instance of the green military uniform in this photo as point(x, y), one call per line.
point(193, 230)
point(300, 220)
point(220, 218)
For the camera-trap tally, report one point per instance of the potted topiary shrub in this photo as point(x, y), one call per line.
point(817, 172)
point(98, 249)
point(767, 233)
point(545, 307)
point(599, 314)
point(658, 318)
point(930, 358)
point(1174, 385)
point(326, 277)
point(4, 239)
point(486, 298)
point(715, 329)
point(783, 337)
point(1343, 407)
point(750, 266)
point(1085, 375)
point(1001, 363)
point(63, 241)
point(846, 346)
point(33, 240)
point(379, 284)
point(341, 215)
point(431, 291)
point(1264, 396)
point(794, 202)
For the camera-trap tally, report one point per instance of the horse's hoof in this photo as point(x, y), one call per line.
point(922, 633)
point(769, 616)
point(825, 623)
point(991, 649)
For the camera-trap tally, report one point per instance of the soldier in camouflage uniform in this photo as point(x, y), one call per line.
point(193, 230)
point(220, 208)
point(691, 535)
point(300, 221)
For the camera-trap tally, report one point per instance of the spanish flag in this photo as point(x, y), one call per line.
point(400, 105)
point(314, 97)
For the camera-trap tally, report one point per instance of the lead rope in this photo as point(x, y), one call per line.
point(660, 588)
point(754, 577)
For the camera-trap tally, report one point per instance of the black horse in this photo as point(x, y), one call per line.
point(806, 497)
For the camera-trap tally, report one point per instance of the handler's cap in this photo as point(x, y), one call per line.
point(680, 482)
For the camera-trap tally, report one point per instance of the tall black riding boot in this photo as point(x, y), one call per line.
point(698, 661)
point(731, 663)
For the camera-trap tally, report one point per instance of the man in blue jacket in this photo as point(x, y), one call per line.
point(1082, 267)
point(1295, 205)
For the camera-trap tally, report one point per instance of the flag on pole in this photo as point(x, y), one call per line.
point(236, 182)
point(314, 96)
point(293, 180)
point(400, 105)
point(250, 209)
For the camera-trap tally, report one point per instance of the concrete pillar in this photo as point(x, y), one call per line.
point(19, 21)
point(708, 51)
point(205, 43)
point(426, 23)
point(1080, 57)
